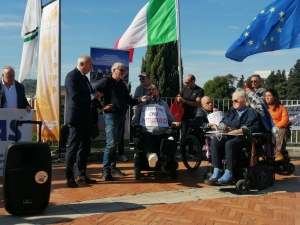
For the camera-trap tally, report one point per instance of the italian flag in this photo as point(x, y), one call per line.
point(154, 24)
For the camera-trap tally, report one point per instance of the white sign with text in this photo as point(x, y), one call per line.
point(8, 129)
point(215, 117)
point(153, 115)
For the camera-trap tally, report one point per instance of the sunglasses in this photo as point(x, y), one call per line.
point(253, 81)
point(142, 78)
point(122, 70)
point(235, 101)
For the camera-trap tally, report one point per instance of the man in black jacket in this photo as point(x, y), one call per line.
point(115, 106)
point(12, 93)
point(79, 117)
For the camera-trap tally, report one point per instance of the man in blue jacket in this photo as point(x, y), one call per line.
point(238, 116)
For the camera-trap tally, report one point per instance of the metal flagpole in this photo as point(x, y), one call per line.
point(178, 45)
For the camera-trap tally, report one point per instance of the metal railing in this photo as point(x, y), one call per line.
point(224, 105)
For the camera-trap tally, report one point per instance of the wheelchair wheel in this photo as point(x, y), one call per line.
point(191, 153)
point(263, 177)
point(240, 187)
point(290, 168)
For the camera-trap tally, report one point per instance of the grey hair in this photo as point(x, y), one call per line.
point(116, 65)
point(83, 59)
point(241, 93)
point(8, 68)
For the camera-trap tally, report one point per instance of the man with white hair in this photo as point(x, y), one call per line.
point(115, 106)
point(12, 93)
point(79, 117)
point(239, 116)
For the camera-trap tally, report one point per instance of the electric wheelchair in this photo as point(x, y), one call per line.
point(246, 174)
point(165, 152)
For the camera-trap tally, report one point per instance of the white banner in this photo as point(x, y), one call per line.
point(47, 93)
point(153, 116)
point(215, 117)
point(8, 129)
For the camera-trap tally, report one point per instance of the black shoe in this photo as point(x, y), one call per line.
point(71, 183)
point(107, 176)
point(85, 179)
point(116, 172)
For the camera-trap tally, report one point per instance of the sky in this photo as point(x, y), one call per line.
point(207, 30)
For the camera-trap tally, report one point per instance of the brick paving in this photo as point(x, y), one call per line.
point(262, 208)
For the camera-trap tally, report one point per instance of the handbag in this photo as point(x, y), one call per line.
point(177, 111)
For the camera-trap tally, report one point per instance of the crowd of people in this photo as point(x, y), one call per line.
point(254, 108)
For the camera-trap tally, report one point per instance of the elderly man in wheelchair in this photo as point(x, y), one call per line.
point(154, 139)
point(239, 116)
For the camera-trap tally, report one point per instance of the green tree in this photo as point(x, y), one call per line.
point(293, 83)
point(240, 83)
point(281, 86)
point(161, 64)
point(231, 79)
point(218, 87)
point(271, 81)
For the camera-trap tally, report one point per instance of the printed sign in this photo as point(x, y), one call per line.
point(215, 117)
point(8, 129)
point(153, 116)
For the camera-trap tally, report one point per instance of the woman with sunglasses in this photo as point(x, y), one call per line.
point(281, 120)
point(238, 116)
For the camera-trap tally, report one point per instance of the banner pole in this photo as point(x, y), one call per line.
point(178, 45)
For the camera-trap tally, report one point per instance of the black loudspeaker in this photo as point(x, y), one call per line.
point(27, 177)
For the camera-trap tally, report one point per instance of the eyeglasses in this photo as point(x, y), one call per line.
point(151, 89)
point(254, 81)
point(142, 78)
point(122, 70)
point(235, 101)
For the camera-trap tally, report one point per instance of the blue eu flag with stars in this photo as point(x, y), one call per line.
point(277, 26)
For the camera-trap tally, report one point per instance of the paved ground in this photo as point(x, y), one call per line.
point(159, 200)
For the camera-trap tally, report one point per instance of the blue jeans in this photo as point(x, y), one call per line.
point(185, 125)
point(228, 145)
point(114, 127)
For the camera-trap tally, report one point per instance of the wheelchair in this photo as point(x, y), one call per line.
point(246, 174)
point(191, 149)
point(166, 153)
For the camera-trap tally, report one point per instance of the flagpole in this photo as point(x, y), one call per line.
point(178, 45)
point(59, 64)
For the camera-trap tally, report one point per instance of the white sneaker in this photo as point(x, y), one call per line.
point(123, 158)
point(152, 159)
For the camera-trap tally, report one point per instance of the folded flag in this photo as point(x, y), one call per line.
point(277, 26)
point(154, 24)
point(29, 33)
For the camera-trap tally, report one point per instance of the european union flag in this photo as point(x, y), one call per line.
point(277, 26)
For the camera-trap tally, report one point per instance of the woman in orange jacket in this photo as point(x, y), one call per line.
point(281, 121)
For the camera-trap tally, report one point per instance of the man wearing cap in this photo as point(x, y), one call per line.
point(141, 90)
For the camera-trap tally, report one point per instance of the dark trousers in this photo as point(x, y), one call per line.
point(79, 147)
point(64, 134)
point(226, 146)
point(151, 143)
